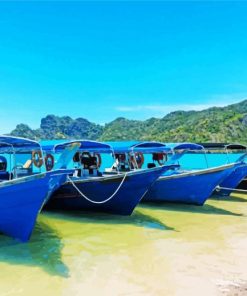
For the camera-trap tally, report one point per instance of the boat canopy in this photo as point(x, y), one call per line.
point(123, 147)
point(230, 146)
point(85, 145)
point(236, 147)
point(213, 145)
point(16, 144)
point(144, 147)
point(184, 146)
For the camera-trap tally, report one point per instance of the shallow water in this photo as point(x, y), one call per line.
point(162, 249)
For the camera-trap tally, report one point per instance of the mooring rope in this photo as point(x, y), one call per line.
point(218, 188)
point(93, 201)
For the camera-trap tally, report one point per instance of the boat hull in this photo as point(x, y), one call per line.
point(233, 180)
point(100, 189)
point(243, 185)
point(190, 188)
point(22, 199)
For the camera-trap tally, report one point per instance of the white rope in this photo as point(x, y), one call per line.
point(93, 201)
point(231, 189)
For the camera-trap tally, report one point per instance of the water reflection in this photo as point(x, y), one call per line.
point(43, 250)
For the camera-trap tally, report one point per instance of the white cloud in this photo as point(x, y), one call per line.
point(162, 109)
point(166, 108)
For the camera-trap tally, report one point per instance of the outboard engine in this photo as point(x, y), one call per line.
point(89, 164)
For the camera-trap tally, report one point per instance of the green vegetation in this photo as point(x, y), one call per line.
point(226, 124)
point(54, 127)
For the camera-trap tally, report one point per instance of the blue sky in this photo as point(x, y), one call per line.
point(102, 60)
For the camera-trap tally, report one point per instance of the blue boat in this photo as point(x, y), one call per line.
point(24, 185)
point(187, 186)
point(111, 191)
point(230, 153)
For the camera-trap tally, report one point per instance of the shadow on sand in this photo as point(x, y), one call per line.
point(43, 250)
point(176, 207)
point(136, 219)
point(232, 198)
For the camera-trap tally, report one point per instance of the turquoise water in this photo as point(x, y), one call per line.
point(198, 161)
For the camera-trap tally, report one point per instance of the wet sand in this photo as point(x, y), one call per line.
point(162, 249)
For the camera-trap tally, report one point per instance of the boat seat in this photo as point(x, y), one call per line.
point(90, 172)
point(151, 165)
point(22, 172)
point(86, 172)
point(89, 162)
point(3, 164)
point(4, 176)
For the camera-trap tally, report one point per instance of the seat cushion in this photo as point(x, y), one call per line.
point(4, 176)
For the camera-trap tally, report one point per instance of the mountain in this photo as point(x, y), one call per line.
point(216, 124)
point(225, 124)
point(55, 127)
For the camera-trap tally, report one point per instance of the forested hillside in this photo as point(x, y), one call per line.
point(226, 124)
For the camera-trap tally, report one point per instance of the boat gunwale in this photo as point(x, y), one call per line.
point(29, 178)
point(114, 176)
point(197, 172)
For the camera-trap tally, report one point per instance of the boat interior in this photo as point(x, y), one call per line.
point(125, 162)
point(86, 164)
point(19, 157)
point(21, 166)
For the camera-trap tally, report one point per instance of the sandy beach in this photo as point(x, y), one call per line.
point(162, 249)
